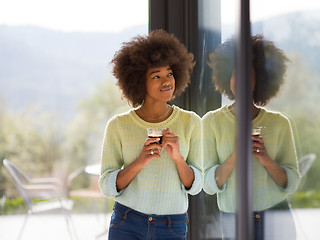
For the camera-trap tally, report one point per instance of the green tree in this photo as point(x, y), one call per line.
point(42, 145)
point(84, 135)
point(28, 139)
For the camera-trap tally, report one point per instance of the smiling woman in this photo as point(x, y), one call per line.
point(160, 86)
point(142, 56)
point(150, 180)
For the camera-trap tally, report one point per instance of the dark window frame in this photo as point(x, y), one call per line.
point(181, 17)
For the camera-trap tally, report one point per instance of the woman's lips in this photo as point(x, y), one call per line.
point(166, 89)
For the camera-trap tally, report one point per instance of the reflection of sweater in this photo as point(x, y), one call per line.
point(218, 139)
point(157, 188)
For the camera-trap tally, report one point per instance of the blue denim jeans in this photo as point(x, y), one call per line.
point(128, 224)
point(228, 225)
point(274, 223)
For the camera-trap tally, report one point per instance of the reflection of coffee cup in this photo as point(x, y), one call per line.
point(256, 131)
point(155, 133)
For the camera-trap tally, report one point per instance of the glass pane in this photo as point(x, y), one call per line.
point(286, 74)
point(217, 144)
point(292, 27)
point(56, 95)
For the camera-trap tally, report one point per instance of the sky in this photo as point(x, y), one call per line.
point(116, 15)
point(75, 15)
point(262, 9)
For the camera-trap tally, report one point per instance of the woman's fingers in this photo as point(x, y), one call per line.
point(257, 139)
point(151, 148)
point(258, 144)
point(169, 138)
point(152, 141)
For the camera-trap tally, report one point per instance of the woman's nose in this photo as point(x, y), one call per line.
point(167, 80)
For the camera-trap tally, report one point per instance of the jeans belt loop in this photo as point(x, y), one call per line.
point(169, 221)
point(126, 213)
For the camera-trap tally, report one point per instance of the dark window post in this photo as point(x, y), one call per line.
point(244, 115)
point(185, 19)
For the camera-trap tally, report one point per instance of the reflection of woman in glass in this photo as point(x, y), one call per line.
point(148, 180)
point(275, 173)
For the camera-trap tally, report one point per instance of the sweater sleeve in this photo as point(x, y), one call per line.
point(194, 159)
point(287, 157)
point(111, 160)
point(210, 156)
point(211, 186)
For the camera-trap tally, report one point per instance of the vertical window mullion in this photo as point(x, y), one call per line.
point(244, 114)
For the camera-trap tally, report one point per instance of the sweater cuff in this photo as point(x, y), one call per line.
point(110, 182)
point(210, 184)
point(293, 180)
point(197, 182)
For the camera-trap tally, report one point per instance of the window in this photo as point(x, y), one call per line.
point(292, 28)
point(57, 93)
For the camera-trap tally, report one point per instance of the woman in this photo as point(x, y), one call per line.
point(275, 170)
point(148, 180)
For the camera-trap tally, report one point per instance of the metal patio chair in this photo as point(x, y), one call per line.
point(41, 188)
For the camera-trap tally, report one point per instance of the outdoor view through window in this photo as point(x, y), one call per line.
point(293, 27)
point(57, 93)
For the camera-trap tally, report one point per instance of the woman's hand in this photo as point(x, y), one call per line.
point(170, 142)
point(151, 149)
point(259, 150)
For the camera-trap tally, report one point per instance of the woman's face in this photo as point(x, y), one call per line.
point(160, 84)
point(233, 82)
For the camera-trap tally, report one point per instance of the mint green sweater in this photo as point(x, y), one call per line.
point(218, 138)
point(157, 188)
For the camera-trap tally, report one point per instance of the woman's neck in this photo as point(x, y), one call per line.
point(154, 113)
point(255, 110)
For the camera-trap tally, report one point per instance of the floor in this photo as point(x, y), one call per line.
point(53, 227)
point(90, 226)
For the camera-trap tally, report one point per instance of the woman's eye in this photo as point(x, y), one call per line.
point(170, 74)
point(155, 77)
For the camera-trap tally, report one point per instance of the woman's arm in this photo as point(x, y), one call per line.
point(224, 170)
point(113, 178)
point(185, 172)
point(170, 142)
point(126, 175)
point(276, 172)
